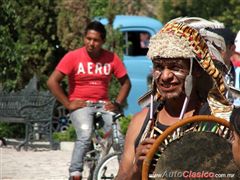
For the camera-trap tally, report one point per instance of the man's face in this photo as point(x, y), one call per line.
point(93, 41)
point(236, 148)
point(169, 75)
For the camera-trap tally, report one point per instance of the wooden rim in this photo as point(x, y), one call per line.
point(199, 118)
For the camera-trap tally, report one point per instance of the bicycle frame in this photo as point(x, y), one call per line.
point(108, 166)
point(102, 143)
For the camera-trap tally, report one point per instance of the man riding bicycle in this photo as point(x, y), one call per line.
point(89, 70)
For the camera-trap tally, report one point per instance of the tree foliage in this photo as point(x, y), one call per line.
point(231, 15)
point(198, 8)
point(28, 40)
point(36, 34)
point(73, 16)
point(224, 11)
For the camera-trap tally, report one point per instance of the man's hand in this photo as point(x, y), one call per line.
point(142, 150)
point(76, 104)
point(113, 107)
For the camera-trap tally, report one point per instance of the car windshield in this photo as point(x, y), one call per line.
point(136, 43)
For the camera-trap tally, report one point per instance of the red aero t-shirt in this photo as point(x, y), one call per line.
point(89, 79)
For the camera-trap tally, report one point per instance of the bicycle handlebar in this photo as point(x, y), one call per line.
point(117, 116)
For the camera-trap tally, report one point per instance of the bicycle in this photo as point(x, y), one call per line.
point(108, 167)
point(61, 119)
point(101, 145)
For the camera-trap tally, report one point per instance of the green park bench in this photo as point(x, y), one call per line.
point(31, 107)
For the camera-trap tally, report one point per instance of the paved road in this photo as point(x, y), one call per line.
point(34, 164)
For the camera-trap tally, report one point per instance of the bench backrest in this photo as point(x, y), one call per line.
point(38, 106)
point(32, 105)
point(10, 104)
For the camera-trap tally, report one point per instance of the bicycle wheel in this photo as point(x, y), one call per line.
point(108, 167)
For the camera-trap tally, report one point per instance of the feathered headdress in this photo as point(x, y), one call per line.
point(214, 41)
point(188, 37)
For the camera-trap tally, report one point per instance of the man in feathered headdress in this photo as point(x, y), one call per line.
point(186, 82)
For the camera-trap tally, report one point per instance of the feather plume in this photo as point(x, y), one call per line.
point(199, 23)
point(213, 40)
point(216, 55)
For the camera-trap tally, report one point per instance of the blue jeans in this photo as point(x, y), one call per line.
point(82, 120)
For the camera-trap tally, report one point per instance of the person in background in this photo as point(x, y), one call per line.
point(235, 124)
point(236, 56)
point(144, 39)
point(227, 51)
point(89, 70)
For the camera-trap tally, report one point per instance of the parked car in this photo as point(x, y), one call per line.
point(137, 31)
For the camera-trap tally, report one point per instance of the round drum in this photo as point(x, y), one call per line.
point(193, 148)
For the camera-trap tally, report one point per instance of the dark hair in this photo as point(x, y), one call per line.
point(235, 120)
point(226, 33)
point(96, 26)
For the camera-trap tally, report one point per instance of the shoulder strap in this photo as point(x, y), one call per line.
point(156, 105)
